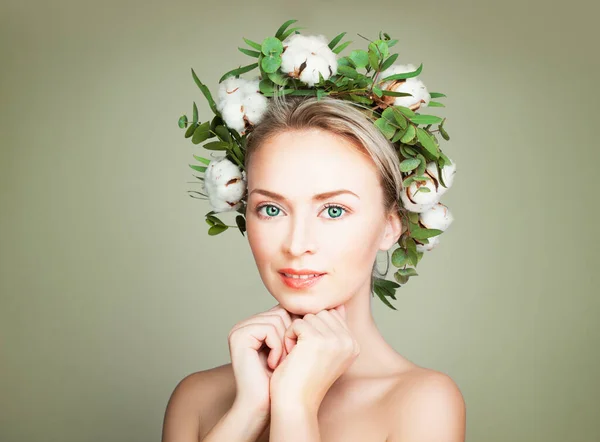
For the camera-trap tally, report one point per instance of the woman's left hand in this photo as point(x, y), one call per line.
point(320, 348)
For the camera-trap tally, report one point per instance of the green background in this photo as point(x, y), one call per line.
point(112, 291)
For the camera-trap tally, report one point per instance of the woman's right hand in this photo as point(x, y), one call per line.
point(256, 347)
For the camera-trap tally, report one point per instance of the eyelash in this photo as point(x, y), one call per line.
point(326, 206)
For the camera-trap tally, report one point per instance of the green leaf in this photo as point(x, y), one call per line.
point(254, 54)
point(435, 104)
point(360, 58)
point(399, 257)
point(406, 111)
point(380, 48)
point(206, 93)
point(270, 64)
point(444, 134)
point(241, 223)
point(223, 134)
point(283, 27)
point(396, 94)
point(238, 71)
point(266, 86)
point(391, 43)
point(272, 46)
point(409, 271)
point(336, 40)
point(360, 99)
point(427, 142)
point(341, 47)
point(425, 119)
point(278, 78)
point(182, 121)
point(190, 130)
point(436, 94)
point(381, 295)
point(216, 229)
point(253, 44)
point(420, 233)
point(348, 71)
point(400, 278)
point(288, 33)
point(386, 128)
point(409, 134)
point(373, 60)
point(409, 164)
point(201, 133)
point(303, 92)
point(198, 168)
point(215, 220)
point(216, 145)
point(203, 160)
point(405, 75)
point(377, 91)
point(388, 62)
point(195, 113)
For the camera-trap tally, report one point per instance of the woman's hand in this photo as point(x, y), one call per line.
point(256, 348)
point(320, 348)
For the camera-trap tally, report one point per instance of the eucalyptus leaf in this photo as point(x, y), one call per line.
point(360, 58)
point(409, 134)
point(436, 94)
point(427, 142)
point(183, 121)
point(272, 46)
point(435, 104)
point(400, 278)
point(206, 93)
point(444, 134)
point(253, 44)
point(283, 27)
point(254, 54)
point(405, 74)
point(377, 91)
point(198, 168)
point(396, 94)
point(386, 128)
point(270, 64)
point(190, 130)
point(341, 47)
point(409, 271)
point(289, 32)
point(216, 229)
point(388, 62)
point(203, 160)
point(420, 233)
point(216, 145)
point(425, 119)
point(409, 164)
point(201, 133)
point(195, 113)
point(223, 134)
point(241, 223)
point(336, 40)
point(399, 257)
point(238, 71)
point(348, 71)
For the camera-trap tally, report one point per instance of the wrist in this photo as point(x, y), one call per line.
point(292, 405)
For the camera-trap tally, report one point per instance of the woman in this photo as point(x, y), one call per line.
point(323, 187)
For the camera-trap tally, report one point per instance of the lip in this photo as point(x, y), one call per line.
point(301, 272)
point(297, 283)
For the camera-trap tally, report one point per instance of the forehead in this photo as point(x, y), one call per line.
point(301, 163)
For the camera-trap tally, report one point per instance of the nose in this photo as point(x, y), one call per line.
point(300, 238)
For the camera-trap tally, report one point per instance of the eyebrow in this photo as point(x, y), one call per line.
point(317, 197)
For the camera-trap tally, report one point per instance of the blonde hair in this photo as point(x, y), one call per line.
point(341, 117)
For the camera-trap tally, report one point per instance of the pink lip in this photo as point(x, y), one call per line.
point(297, 283)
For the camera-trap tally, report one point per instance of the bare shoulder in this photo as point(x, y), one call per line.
point(197, 400)
point(427, 405)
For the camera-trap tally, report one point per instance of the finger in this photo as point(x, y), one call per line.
point(335, 324)
point(319, 323)
point(298, 330)
point(265, 333)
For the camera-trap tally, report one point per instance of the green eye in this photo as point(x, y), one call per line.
point(334, 211)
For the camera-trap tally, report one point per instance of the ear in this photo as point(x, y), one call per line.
point(393, 229)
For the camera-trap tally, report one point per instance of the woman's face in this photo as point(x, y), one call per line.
point(298, 230)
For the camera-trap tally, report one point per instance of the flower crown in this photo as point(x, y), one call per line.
point(294, 64)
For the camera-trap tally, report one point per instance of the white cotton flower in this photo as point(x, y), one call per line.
point(225, 185)
point(420, 95)
point(448, 172)
point(241, 103)
point(419, 201)
point(304, 56)
point(437, 217)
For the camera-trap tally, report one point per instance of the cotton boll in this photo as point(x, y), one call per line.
point(419, 201)
point(233, 116)
point(433, 241)
point(304, 57)
point(413, 85)
point(241, 103)
point(437, 217)
point(255, 106)
point(448, 172)
point(225, 185)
